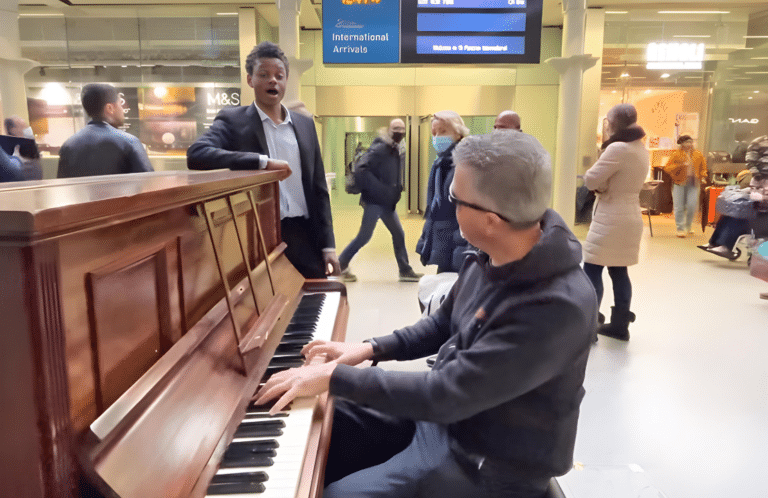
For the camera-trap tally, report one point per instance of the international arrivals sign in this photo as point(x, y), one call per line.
point(431, 31)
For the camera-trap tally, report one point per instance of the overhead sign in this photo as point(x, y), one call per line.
point(674, 56)
point(361, 31)
point(431, 31)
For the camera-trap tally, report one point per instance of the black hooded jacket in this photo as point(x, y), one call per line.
point(512, 345)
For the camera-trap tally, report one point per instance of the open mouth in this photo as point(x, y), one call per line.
point(272, 91)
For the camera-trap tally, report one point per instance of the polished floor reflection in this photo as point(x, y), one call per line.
point(686, 399)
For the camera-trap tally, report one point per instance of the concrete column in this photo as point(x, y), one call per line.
point(248, 39)
point(571, 67)
point(289, 42)
point(590, 93)
point(13, 93)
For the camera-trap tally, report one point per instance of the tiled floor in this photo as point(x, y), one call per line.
point(686, 399)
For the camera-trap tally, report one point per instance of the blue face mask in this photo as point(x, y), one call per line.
point(441, 144)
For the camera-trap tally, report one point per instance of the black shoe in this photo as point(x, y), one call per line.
point(705, 247)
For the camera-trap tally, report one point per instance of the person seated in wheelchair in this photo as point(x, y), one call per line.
point(728, 228)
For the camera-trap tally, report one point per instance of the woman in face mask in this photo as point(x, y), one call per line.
point(441, 242)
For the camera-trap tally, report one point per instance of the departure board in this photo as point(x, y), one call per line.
point(431, 31)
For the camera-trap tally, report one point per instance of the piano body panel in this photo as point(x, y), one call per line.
point(35, 437)
point(82, 263)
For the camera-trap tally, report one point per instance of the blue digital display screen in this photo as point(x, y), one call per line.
point(470, 22)
point(484, 45)
point(470, 4)
point(431, 31)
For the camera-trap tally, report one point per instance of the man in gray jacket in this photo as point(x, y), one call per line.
point(496, 416)
point(100, 148)
point(379, 175)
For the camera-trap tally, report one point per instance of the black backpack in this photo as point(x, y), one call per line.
point(349, 174)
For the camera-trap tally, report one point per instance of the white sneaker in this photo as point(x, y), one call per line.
point(348, 276)
point(681, 234)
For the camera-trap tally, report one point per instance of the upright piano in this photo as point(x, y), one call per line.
point(139, 315)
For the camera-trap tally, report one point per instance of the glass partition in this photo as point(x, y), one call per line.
point(174, 74)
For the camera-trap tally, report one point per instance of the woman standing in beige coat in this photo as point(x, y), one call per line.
point(617, 225)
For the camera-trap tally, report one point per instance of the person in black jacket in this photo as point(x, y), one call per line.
point(441, 242)
point(268, 135)
point(101, 148)
point(496, 416)
point(379, 175)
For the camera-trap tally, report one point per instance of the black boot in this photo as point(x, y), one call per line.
point(618, 328)
point(600, 322)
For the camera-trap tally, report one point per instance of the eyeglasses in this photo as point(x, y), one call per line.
point(459, 202)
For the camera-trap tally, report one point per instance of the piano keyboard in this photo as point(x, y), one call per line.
point(266, 455)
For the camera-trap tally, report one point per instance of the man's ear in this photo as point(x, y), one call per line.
point(249, 79)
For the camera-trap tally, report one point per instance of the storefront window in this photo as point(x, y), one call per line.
point(173, 74)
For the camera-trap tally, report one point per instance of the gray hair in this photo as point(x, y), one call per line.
point(454, 121)
point(512, 173)
point(622, 116)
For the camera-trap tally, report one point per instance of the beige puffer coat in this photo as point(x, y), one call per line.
point(617, 225)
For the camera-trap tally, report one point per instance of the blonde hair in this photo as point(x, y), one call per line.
point(454, 122)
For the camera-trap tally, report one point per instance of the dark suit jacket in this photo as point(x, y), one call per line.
point(236, 139)
point(101, 149)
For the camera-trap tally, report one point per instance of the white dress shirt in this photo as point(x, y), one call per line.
point(282, 144)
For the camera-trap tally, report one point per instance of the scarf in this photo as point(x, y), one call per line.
point(628, 134)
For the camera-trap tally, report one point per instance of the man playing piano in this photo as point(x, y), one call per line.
point(497, 414)
point(266, 135)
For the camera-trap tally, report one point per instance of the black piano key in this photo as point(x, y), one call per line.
point(306, 314)
point(262, 428)
point(251, 460)
point(295, 355)
point(287, 358)
point(254, 446)
point(258, 476)
point(254, 408)
point(292, 340)
point(230, 488)
point(244, 450)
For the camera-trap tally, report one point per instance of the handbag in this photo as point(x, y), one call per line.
point(735, 202)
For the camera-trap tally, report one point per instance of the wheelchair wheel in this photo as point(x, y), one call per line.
point(736, 253)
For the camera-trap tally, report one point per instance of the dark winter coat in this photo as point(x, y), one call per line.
point(441, 242)
point(512, 344)
point(378, 174)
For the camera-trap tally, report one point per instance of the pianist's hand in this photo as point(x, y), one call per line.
point(332, 265)
point(347, 353)
point(275, 164)
point(309, 380)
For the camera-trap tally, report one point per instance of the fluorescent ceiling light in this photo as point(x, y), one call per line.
point(756, 91)
point(665, 75)
point(625, 75)
point(226, 13)
point(759, 58)
point(694, 12)
point(45, 14)
point(755, 36)
point(691, 36)
point(755, 72)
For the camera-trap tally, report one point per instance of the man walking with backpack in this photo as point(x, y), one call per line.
point(378, 176)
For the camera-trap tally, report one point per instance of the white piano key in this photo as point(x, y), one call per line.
point(284, 474)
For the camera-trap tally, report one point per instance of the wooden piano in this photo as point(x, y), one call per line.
point(139, 315)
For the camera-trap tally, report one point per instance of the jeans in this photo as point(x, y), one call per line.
point(727, 232)
point(416, 461)
point(371, 215)
point(685, 199)
point(622, 286)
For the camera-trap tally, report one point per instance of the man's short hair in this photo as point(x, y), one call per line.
point(95, 96)
point(265, 50)
point(512, 173)
point(683, 139)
